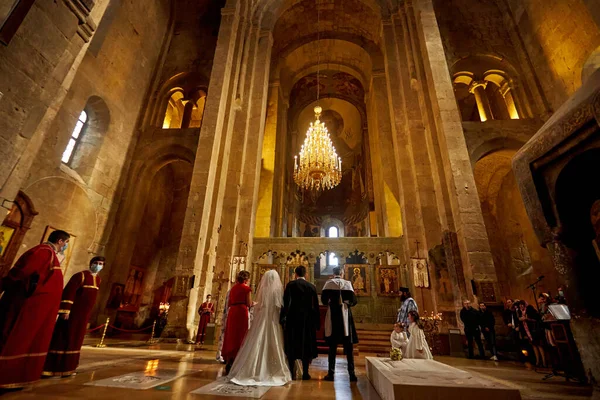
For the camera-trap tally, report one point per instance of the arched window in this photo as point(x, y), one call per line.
point(333, 232)
point(332, 260)
point(76, 137)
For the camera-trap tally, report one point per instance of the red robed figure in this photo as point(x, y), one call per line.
point(206, 310)
point(237, 321)
point(78, 300)
point(28, 314)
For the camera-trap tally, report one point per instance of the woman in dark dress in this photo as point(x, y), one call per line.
point(533, 331)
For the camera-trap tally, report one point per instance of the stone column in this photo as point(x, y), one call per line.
point(192, 250)
point(464, 201)
point(264, 219)
point(513, 103)
point(385, 161)
point(477, 88)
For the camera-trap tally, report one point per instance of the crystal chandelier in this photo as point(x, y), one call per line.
point(318, 166)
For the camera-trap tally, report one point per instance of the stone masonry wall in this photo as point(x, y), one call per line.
point(119, 75)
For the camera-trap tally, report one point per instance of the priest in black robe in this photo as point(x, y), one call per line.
point(300, 319)
point(338, 295)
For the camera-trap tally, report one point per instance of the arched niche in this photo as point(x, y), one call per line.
point(488, 88)
point(180, 102)
point(91, 140)
point(13, 229)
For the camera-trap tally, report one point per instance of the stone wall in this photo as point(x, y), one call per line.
point(119, 75)
point(559, 36)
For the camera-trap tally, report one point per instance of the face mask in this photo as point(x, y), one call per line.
point(561, 293)
point(64, 248)
point(95, 268)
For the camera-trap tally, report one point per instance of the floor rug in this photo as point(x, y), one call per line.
point(224, 388)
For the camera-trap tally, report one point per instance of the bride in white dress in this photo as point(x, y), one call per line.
point(261, 360)
point(417, 343)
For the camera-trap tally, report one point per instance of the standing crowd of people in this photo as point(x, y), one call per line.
point(42, 325)
point(528, 328)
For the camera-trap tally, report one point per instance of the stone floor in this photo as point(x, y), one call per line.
point(189, 370)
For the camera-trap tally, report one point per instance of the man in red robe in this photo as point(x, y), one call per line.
point(206, 310)
point(78, 299)
point(28, 310)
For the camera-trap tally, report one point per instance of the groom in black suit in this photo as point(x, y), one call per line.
point(301, 321)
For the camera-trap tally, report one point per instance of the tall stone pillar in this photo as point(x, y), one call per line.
point(192, 256)
point(477, 88)
point(475, 253)
point(385, 153)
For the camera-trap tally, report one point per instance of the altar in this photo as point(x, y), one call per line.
point(432, 380)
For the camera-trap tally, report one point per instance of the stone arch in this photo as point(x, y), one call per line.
point(329, 222)
point(193, 88)
point(491, 145)
point(591, 65)
point(489, 87)
point(85, 154)
point(518, 256)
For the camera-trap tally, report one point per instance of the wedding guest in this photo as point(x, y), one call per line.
point(237, 318)
point(399, 339)
point(78, 299)
point(470, 318)
point(206, 311)
point(533, 332)
point(28, 309)
point(511, 320)
point(408, 304)
point(487, 322)
point(338, 295)
point(417, 344)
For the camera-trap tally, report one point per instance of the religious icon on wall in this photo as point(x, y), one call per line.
point(262, 269)
point(291, 273)
point(388, 282)
point(6, 233)
point(133, 291)
point(64, 261)
point(420, 272)
point(358, 274)
point(115, 299)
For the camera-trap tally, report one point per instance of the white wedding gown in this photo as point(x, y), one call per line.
point(261, 360)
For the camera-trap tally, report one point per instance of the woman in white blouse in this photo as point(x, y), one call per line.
point(417, 344)
point(398, 338)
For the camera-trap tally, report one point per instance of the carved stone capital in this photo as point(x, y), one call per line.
point(475, 84)
point(82, 9)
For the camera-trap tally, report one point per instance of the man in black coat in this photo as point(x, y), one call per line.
point(301, 321)
point(470, 318)
point(487, 322)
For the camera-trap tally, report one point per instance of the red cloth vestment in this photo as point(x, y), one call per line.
point(237, 321)
point(78, 300)
point(206, 310)
point(27, 321)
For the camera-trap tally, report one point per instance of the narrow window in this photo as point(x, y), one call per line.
point(333, 232)
point(75, 138)
point(333, 260)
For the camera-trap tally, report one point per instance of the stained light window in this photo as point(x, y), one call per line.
point(76, 136)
